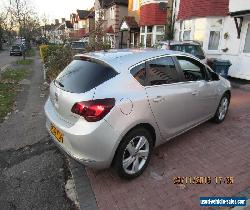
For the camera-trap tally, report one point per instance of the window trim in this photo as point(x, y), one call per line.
point(178, 69)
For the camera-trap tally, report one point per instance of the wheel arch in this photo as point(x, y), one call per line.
point(147, 126)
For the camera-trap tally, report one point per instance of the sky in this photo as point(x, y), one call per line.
point(56, 9)
point(60, 8)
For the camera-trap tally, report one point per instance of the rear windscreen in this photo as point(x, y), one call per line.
point(15, 48)
point(81, 76)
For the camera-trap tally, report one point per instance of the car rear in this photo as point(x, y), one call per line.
point(75, 120)
point(16, 50)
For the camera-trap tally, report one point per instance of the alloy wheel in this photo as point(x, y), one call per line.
point(223, 108)
point(135, 155)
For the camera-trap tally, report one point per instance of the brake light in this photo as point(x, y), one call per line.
point(93, 110)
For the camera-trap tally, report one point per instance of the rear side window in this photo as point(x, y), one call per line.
point(161, 71)
point(139, 73)
point(81, 76)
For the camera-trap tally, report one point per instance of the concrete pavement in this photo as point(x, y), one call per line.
point(33, 172)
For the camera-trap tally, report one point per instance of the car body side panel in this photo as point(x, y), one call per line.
point(129, 95)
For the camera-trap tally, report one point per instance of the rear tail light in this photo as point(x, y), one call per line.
point(93, 110)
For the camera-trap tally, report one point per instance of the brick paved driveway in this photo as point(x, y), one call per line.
point(208, 150)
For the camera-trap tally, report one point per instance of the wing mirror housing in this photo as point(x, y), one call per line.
point(215, 76)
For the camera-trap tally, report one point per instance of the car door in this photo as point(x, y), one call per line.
point(168, 98)
point(204, 94)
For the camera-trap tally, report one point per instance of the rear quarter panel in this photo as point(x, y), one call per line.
point(121, 87)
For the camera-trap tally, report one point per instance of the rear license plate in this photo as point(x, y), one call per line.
point(56, 133)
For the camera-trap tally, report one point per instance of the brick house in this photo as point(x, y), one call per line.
point(83, 21)
point(114, 11)
point(153, 18)
point(129, 28)
point(145, 23)
point(221, 26)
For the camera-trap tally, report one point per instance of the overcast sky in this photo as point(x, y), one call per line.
point(56, 8)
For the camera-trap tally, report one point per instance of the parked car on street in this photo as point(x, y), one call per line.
point(16, 50)
point(78, 47)
point(114, 107)
point(191, 47)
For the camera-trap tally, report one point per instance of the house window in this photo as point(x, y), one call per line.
point(215, 34)
point(247, 41)
point(214, 40)
point(112, 13)
point(185, 30)
point(149, 29)
point(160, 29)
point(135, 5)
point(142, 40)
point(143, 29)
point(159, 38)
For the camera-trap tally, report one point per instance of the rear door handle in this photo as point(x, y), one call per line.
point(157, 99)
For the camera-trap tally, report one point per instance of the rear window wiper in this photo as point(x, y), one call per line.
point(59, 83)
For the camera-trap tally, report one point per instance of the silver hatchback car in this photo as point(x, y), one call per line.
point(113, 108)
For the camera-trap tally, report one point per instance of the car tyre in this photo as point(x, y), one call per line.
point(134, 153)
point(222, 109)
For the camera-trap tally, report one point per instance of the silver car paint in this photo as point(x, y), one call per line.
point(94, 143)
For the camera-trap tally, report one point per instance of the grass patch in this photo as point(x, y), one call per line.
point(7, 96)
point(14, 74)
point(31, 52)
point(8, 86)
point(25, 62)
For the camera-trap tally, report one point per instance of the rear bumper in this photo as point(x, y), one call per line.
point(92, 144)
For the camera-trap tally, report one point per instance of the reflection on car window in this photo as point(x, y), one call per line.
point(192, 69)
point(139, 73)
point(162, 71)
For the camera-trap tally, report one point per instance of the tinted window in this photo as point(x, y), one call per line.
point(193, 70)
point(78, 44)
point(139, 73)
point(161, 71)
point(15, 48)
point(81, 76)
point(191, 49)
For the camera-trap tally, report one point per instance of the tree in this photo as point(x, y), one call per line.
point(25, 17)
point(98, 35)
point(169, 31)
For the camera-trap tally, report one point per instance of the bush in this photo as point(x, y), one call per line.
point(43, 51)
point(55, 59)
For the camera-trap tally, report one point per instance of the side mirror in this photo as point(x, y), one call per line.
point(215, 77)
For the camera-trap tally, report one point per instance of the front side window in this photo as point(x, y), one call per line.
point(192, 70)
point(161, 71)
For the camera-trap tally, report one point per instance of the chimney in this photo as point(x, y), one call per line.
point(63, 20)
point(56, 22)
